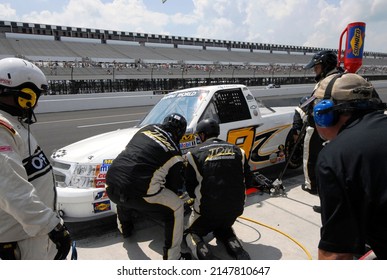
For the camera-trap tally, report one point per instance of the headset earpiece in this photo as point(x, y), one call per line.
point(27, 98)
point(324, 113)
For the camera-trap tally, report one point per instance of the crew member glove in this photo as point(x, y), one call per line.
point(9, 251)
point(62, 239)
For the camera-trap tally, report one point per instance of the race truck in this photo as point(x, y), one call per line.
point(264, 133)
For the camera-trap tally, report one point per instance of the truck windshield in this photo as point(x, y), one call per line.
point(184, 102)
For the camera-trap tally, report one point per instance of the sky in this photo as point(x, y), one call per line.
point(310, 23)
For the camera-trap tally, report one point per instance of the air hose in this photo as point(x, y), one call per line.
point(288, 236)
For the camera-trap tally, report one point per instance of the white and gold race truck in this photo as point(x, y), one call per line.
point(264, 133)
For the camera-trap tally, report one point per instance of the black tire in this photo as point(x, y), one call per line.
point(297, 158)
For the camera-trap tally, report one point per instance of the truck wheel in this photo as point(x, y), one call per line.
point(296, 160)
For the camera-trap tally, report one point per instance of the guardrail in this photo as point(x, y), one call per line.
point(66, 103)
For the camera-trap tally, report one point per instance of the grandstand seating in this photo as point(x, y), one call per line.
point(67, 57)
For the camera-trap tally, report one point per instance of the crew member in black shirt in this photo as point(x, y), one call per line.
point(351, 168)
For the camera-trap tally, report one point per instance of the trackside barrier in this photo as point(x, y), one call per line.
point(67, 103)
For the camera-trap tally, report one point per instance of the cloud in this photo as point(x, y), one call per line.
point(6, 11)
point(333, 20)
point(121, 15)
point(214, 28)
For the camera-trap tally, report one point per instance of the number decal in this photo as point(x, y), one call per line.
point(242, 137)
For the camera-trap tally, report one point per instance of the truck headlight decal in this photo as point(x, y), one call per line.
point(84, 176)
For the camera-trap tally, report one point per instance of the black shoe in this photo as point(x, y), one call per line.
point(317, 209)
point(235, 249)
point(185, 256)
point(311, 191)
point(203, 252)
point(127, 230)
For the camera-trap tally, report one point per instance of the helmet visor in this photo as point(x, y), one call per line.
point(312, 63)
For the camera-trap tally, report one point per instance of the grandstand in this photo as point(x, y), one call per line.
point(85, 60)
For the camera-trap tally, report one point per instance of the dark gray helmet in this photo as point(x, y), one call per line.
point(175, 124)
point(209, 127)
point(328, 59)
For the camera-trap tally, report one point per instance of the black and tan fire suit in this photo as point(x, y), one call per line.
point(312, 144)
point(216, 176)
point(146, 177)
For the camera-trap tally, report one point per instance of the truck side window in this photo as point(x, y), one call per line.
point(231, 105)
point(210, 113)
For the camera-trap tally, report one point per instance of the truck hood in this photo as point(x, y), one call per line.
point(97, 148)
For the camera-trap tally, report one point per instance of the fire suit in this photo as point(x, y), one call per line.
point(146, 177)
point(313, 144)
point(27, 192)
point(217, 174)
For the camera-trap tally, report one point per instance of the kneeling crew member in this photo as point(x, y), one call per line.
point(147, 175)
point(215, 177)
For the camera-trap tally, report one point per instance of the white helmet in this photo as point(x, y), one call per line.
point(23, 77)
point(14, 72)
